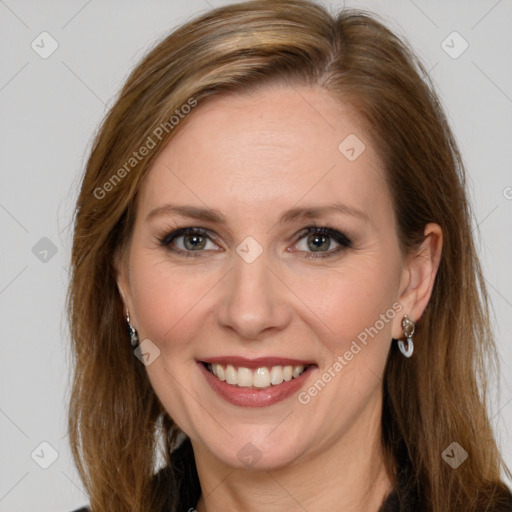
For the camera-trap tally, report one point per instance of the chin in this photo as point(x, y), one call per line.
point(257, 449)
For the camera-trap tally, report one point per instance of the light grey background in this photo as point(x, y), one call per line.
point(50, 109)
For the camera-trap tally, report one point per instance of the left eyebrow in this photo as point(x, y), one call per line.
point(291, 215)
point(320, 211)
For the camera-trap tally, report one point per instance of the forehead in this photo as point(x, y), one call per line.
point(274, 146)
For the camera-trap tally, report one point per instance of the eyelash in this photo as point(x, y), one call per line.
point(343, 241)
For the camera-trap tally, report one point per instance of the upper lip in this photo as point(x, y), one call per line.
point(258, 362)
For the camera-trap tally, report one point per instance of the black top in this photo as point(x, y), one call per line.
point(406, 498)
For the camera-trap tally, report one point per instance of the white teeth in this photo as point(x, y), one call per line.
point(276, 375)
point(260, 378)
point(220, 372)
point(244, 377)
point(231, 375)
point(297, 371)
point(287, 373)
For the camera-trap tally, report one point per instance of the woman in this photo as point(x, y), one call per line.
point(275, 209)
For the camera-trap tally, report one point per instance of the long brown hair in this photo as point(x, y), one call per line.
point(431, 400)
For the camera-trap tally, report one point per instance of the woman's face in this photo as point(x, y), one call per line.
point(246, 292)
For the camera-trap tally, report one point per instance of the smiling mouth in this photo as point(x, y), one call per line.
point(262, 377)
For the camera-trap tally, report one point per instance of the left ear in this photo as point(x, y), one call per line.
point(418, 277)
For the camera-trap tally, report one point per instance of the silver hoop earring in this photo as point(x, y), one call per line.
point(134, 335)
point(408, 327)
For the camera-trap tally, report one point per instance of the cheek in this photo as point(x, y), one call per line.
point(353, 299)
point(161, 295)
point(170, 299)
point(358, 306)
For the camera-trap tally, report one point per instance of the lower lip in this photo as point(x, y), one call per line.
point(254, 397)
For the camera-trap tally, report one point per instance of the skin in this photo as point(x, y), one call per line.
point(252, 157)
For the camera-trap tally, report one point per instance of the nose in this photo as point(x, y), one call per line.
point(254, 301)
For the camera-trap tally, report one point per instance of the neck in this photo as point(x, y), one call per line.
point(349, 476)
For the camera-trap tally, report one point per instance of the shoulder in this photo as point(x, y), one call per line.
point(501, 502)
point(406, 496)
point(182, 479)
